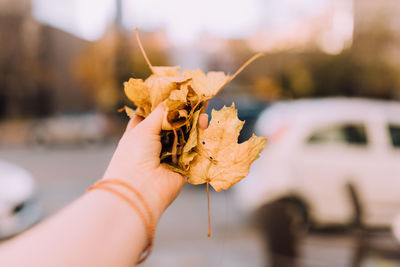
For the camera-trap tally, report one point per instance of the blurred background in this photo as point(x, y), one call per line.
point(62, 65)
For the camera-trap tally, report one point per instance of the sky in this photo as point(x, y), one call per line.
point(86, 19)
point(183, 20)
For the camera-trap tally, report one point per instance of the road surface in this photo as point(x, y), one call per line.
point(63, 174)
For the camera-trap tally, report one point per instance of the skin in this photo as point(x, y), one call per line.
point(100, 229)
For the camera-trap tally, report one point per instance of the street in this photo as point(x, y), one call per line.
point(63, 174)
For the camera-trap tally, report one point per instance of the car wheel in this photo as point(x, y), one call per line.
point(283, 223)
point(356, 204)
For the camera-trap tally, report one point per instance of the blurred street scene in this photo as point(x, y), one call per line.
point(326, 192)
point(64, 174)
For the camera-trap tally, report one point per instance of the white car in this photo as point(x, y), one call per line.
point(336, 160)
point(18, 208)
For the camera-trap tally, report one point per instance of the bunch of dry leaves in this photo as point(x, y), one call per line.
point(211, 156)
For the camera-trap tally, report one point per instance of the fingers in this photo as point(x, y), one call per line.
point(152, 124)
point(203, 121)
point(135, 120)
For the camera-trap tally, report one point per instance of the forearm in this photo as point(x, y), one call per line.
point(101, 228)
point(98, 229)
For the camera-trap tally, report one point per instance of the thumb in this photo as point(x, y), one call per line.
point(152, 124)
point(133, 122)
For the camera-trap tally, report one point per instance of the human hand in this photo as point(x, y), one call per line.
point(137, 161)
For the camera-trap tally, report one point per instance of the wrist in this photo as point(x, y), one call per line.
point(147, 195)
point(124, 220)
point(138, 203)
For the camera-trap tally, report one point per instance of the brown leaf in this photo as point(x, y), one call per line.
point(188, 152)
point(174, 119)
point(221, 161)
point(176, 116)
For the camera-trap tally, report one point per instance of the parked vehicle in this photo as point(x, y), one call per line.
point(18, 207)
point(396, 227)
point(330, 161)
point(85, 128)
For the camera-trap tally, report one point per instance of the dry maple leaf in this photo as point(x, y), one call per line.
point(220, 160)
point(189, 152)
point(210, 156)
point(206, 86)
point(129, 111)
point(160, 86)
point(139, 94)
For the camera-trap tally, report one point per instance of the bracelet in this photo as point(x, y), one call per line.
point(151, 224)
point(134, 191)
point(148, 223)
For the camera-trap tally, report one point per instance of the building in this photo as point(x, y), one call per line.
point(36, 78)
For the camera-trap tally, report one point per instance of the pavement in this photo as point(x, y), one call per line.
point(64, 173)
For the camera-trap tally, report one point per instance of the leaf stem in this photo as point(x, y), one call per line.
point(142, 50)
point(208, 208)
point(248, 62)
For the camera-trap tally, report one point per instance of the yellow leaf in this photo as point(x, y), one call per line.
point(130, 112)
point(160, 87)
point(179, 95)
point(168, 71)
point(211, 156)
point(185, 96)
point(138, 93)
point(188, 152)
point(220, 160)
point(207, 85)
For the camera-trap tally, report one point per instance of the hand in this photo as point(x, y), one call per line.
point(137, 161)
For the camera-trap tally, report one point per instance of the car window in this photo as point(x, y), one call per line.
point(394, 131)
point(353, 134)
